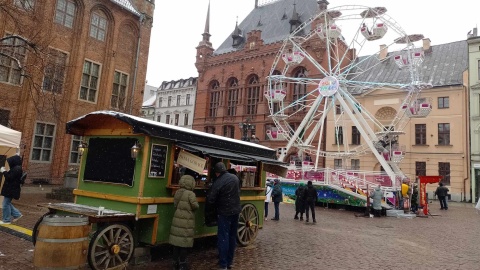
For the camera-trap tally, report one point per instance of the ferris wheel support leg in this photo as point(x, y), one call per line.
point(368, 134)
point(302, 125)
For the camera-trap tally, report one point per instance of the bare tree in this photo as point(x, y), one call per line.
point(26, 59)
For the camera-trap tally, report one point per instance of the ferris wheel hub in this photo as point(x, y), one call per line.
point(328, 86)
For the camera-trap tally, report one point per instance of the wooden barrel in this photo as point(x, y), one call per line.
point(62, 242)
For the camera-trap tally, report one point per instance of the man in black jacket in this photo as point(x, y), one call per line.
point(442, 192)
point(277, 198)
point(311, 198)
point(225, 195)
point(11, 189)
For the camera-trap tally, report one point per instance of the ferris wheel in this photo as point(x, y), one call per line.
point(346, 49)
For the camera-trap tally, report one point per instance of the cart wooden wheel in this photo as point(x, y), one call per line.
point(111, 247)
point(248, 225)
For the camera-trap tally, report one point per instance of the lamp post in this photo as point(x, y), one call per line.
point(245, 127)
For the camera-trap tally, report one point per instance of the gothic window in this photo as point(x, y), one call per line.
point(214, 99)
point(98, 25)
point(232, 98)
point(299, 89)
point(253, 93)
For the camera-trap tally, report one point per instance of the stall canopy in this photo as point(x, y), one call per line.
point(9, 141)
point(191, 140)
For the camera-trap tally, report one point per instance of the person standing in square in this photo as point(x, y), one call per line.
point(225, 195)
point(11, 189)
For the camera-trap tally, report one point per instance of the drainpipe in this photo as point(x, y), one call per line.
point(142, 17)
point(467, 155)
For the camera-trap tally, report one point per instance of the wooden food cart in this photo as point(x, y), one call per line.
point(129, 172)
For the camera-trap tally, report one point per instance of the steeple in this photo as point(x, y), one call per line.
point(204, 48)
point(206, 33)
point(295, 20)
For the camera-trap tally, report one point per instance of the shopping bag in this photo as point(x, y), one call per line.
point(477, 207)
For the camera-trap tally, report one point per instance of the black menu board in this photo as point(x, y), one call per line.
point(158, 160)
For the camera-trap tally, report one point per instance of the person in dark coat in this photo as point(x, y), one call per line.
point(11, 189)
point(414, 200)
point(277, 198)
point(442, 192)
point(311, 198)
point(225, 195)
point(300, 201)
point(183, 223)
point(377, 196)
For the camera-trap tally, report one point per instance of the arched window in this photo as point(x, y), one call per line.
point(98, 25)
point(214, 98)
point(299, 89)
point(232, 98)
point(253, 93)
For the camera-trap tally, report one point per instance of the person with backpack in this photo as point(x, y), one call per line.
point(277, 198)
point(300, 201)
point(11, 189)
point(311, 198)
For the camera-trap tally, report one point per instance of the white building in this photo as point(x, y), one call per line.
point(148, 105)
point(174, 103)
point(473, 41)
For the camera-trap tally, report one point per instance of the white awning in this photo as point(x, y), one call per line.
point(9, 141)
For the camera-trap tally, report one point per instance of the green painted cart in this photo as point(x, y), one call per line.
point(129, 172)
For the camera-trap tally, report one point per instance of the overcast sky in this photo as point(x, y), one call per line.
point(178, 26)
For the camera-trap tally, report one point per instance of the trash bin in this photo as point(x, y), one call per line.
point(61, 242)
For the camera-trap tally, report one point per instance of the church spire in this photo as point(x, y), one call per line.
point(206, 33)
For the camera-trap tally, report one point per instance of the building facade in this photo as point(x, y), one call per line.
point(232, 80)
point(436, 144)
point(174, 103)
point(474, 105)
point(72, 57)
point(149, 102)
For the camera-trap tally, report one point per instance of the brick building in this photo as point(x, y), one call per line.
point(75, 57)
point(232, 79)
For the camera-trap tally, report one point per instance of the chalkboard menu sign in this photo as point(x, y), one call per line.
point(158, 160)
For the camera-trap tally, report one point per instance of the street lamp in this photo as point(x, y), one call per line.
point(245, 127)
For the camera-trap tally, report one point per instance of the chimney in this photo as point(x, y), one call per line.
point(383, 52)
point(426, 45)
point(475, 31)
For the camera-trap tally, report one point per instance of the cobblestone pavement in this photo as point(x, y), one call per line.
point(339, 240)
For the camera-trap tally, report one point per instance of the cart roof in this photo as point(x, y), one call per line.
point(184, 136)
